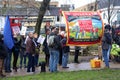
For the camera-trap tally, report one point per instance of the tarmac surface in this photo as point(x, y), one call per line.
point(72, 67)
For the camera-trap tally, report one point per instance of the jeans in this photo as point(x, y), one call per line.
point(31, 63)
point(108, 53)
point(36, 59)
point(54, 59)
point(23, 56)
point(105, 56)
point(8, 61)
point(65, 59)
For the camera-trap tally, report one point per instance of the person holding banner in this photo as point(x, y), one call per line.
point(77, 49)
point(9, 43)
point(65, 50)
point(106, 42)
point(61, 36)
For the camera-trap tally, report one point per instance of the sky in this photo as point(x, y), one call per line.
point(77, 3)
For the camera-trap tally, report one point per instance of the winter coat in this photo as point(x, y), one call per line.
point(30, 46)
point(3, 51)
point(57, 43)
point(45, 46)
point(106, 40)
point(65, 48)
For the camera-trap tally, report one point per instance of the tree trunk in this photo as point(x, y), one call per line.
point(42, 11)
point(109, 16)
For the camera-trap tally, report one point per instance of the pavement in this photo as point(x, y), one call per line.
point(72, 67)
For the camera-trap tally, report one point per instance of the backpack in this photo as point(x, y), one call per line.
point(51, 41)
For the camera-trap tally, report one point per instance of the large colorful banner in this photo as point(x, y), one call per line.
point(83, 28)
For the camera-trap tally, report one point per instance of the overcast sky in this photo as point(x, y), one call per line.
point(77, 3)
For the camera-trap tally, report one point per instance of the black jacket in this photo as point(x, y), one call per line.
point(45, 46)
point(106, 40)
point(3, 50)
point(17, 45)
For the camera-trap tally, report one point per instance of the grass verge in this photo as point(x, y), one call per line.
point(105, 74)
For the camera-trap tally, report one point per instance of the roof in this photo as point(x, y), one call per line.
point(54, 11)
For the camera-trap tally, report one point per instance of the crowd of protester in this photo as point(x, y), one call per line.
point(27, 47)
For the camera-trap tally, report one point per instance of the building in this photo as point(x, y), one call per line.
point(88, 7)
point(110, 11)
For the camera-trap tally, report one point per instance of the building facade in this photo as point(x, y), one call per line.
point(109, 10)
point(88, 7)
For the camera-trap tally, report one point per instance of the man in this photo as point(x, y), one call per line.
point(108, 27)
point(45, 48)
point(3, 54)
point(54, 50)
point(37, 46)
point(30, 50)
point(106, 42)
point(77, 49)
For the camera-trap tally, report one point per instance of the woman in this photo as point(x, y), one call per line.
point(16, 50)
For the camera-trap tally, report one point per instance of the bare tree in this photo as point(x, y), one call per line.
point(42, 10)
point(110, 6)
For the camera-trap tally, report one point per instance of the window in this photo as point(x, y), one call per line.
point(104, 15)
point(118, 15)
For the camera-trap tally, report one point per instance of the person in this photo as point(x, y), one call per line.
point(54, 50)
point(3, 54)
point(65, 50)
point(77, 48)
point(7, 61)
point(106, 41)
point(45, 48)
point(61, 36)
point(16, 50)
point(116, 36)
point(37, 48)
point(115, 52)
point(110, 45)
point(30, 50)
point(23, 55)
